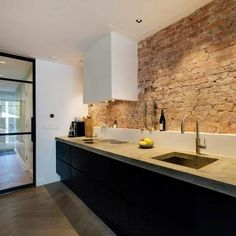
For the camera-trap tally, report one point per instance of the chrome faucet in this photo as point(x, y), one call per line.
point(199, 146)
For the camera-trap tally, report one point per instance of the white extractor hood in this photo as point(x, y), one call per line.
point(111, 70)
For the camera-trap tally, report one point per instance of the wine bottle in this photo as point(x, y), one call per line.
point(162, 121)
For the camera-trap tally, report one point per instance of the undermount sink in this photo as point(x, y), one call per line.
point(188, 160)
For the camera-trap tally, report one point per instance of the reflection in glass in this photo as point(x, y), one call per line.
point(16, 161)
point(15, 69)
point(15, 107)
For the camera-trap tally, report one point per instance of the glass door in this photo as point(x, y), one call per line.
point(17, 122)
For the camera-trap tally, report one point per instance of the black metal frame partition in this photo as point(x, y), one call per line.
point(33, 120)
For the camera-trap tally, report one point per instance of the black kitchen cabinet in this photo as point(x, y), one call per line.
point(215, 213)
point(162, 203)
point(80, 184)
point(63, 169)
point(116, 176)
point(137, 202)
point(63, 152)
point(80, 160)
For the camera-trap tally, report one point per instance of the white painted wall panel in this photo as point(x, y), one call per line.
point(111, 69)
point(58, 91)
point(124, 68)
point(97, 72)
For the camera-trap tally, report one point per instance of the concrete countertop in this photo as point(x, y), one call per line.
point(219, 175)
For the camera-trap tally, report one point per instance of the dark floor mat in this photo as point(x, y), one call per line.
point(5, 152)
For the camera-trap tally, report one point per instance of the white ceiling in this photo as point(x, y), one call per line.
point(64, 28)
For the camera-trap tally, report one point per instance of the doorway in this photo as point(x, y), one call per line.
point(17, 122)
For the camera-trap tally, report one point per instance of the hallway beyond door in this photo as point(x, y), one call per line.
point(12, 172)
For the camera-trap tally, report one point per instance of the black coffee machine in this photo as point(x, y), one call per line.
point(76, 129)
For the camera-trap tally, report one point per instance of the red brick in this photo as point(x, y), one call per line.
point(188, 67)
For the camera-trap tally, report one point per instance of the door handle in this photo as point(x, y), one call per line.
point(32, 129)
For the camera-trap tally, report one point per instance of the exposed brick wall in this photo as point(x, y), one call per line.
point(187, 68)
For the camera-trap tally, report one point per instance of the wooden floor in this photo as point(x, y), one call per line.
point(52, 210)
point(12, 173)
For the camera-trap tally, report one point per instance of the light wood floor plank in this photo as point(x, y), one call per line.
point(52, 210)
point(12, 173)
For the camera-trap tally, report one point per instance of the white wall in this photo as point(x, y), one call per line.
point(58, 91)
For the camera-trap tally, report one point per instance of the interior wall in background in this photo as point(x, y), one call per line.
point(58, 92)
point(187, 68)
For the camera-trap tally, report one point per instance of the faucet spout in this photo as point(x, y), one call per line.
point(199, 146)
point(183, 124)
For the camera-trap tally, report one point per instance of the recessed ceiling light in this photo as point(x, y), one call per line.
point(2, 62)
point(139, 20)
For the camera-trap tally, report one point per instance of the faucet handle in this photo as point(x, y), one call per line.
point(204, 144)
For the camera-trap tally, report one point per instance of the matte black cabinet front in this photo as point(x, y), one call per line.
point(80, 160)
point(64, 170)
point(63, 152)
point(215, 213)
point(137, 202)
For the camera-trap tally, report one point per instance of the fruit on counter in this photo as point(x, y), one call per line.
point(149, 141)
point(146, 142)
point(142, 143)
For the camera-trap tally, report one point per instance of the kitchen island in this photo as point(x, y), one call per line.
point(138, 195)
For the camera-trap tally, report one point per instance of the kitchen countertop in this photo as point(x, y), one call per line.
point(219, 175)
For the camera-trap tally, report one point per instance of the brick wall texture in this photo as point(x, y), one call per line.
point(187, 68)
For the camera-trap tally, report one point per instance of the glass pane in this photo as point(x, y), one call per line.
point(15, 107)
point(15, 69)
point(16, 161)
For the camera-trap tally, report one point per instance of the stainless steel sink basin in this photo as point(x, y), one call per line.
point(188, 160)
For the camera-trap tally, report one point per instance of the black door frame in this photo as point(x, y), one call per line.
point(33, 121)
